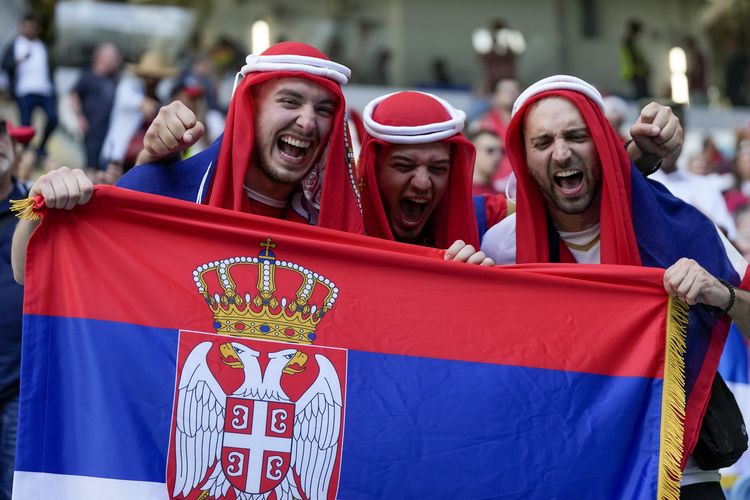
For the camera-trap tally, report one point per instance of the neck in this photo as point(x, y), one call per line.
point(257, 180)
point(573, 223)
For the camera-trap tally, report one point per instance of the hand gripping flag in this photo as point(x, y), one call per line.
point(180, 351)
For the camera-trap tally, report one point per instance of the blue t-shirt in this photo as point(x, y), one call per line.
point(11, 305)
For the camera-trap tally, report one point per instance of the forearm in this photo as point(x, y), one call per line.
point(740, 312)
point(21, 236)
point(145, 156)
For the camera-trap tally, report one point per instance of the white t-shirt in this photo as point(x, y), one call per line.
point(32, 67)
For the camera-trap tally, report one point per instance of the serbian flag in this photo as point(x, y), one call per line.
point(179, 351)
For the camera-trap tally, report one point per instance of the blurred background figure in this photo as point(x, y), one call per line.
point(735, 73)
point(92, 98)
point(616, 112)
point(498, 47)
point(696, 71)
point(697, 190)
point(135, 106)
point(739, 194)
point(505, 92)
point(490, 153)
point(634, 67)
point(27, 64)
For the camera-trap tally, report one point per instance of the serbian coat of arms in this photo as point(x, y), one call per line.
point(259, 416)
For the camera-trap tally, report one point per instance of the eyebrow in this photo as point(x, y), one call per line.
point(409, 159)
point(566, 132)
point(297, 95)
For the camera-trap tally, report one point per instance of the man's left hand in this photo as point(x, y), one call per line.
point(688, 281)
point(463, 252)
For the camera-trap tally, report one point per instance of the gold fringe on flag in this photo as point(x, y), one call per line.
point(673, 402)
point(24, 209)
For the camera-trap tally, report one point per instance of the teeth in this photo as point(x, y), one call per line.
point(418, 200)
point(567, 173)
point(299, 143)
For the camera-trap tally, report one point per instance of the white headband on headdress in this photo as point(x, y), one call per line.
point(290, 62)
point(418, 134)
point(559, 82)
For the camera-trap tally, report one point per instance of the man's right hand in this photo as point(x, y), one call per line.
point(64, 188)
point(174, 129)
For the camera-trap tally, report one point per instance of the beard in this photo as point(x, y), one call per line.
point(571, 205)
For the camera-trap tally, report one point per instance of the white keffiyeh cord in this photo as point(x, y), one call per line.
point(559, 82)
point(290, 62)
point(420, 134)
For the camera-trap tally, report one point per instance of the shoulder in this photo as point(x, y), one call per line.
point(185, 180)
point(499, 243)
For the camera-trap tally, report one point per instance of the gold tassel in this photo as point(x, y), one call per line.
point(673, 401)
point(24, 209)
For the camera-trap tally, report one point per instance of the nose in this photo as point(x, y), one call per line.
point(560, 151)
point(420, 181)
point(306, 119)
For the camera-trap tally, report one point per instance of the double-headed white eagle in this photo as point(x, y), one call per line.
point(201, 408)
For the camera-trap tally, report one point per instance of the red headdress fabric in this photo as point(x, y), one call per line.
point(419, 118)
point(327, 196)
point(618, 242)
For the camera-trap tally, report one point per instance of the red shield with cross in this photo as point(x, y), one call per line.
point(256, 451)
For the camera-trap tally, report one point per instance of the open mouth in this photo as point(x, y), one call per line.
point(569, 181)
point(412, 209)
point(293, 147)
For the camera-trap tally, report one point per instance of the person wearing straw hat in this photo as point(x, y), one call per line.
point(580, 200)
point(11, 306)
point(135, 106)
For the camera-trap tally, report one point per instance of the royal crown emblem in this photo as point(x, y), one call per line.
point(262, 311)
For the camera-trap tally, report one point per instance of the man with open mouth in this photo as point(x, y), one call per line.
point(580, 200)
point(284, 129)
point(417, 168)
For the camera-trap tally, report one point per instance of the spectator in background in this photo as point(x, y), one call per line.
point(490, 153)
point(11, 305)
point(616, 111)
point(695, 190)
point(135, 106)
point(735, 75)
point(498, 47)
point(27, 63)
point(201, 74)
point(505, 93)
point(739, 194)
point(633, 64)
point(715, 163)
point(696, 71)
point(92, 98)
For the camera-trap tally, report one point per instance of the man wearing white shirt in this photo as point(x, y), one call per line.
point(27, 62)
point(581, 201)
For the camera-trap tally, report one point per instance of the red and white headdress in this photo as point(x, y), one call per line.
point(406, 118)
point(327, 196)
point(618, 243)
